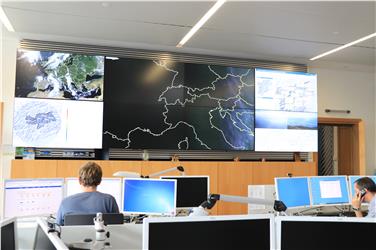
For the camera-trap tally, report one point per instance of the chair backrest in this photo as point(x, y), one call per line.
point(88, 219)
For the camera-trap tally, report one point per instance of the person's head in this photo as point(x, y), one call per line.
point(90, 175)
point(367, 185)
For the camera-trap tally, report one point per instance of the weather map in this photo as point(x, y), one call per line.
point(35, 122)
point(57, 123)
point(46, 74)
point(174, 105)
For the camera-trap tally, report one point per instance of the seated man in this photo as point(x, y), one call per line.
point(90, 201)
point(365, 189)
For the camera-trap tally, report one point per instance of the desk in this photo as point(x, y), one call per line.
point(126, 236)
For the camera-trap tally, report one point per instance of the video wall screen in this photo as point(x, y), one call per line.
point(58, 100)
point(57, 123)
point(67, 100)
point(175, 105)
point(47, 74)
point(286, 111)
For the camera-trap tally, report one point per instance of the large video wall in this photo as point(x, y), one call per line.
point(61, 99)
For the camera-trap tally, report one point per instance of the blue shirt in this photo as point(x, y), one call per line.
point(86, 203)
point(372, 208)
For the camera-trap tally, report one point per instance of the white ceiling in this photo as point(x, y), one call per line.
point(279, 31)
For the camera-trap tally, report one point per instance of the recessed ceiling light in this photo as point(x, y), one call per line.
point(201, 22)
point(4, 19)
point(105, 4)
point(344, 46)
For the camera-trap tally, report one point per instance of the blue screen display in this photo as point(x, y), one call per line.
point(329, 190)
point(149, 196)
point(352, 179)
point(294, 192)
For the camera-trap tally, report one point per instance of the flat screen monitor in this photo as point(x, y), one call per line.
point(149, 196)
point(57, 123)
point(286, 111)
point(353, 178)
point(191, 190)
point(8, 235)
point(59, 75)
point(312, 233)
point(110, 186)
point(30, 197)
point(209, 232)
point(294, 191)
point(329, 190)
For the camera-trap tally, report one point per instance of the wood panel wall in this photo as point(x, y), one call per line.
point(231, 178)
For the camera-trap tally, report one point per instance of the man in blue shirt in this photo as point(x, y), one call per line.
point(90, 201)
point(365, 189)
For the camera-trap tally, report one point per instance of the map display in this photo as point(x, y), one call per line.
point(286, 111)
point(46, 74)
point(174, 105)
point(57, 123)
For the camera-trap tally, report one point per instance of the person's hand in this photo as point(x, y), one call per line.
point(357, 201)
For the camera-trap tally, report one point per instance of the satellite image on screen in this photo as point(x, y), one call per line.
point(173, 105)
point(46, 74)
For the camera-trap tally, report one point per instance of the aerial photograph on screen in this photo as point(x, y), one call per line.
point(174, 105)
point(47, 74)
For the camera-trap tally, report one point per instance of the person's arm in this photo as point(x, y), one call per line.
point(357, 204)
point(59, 216)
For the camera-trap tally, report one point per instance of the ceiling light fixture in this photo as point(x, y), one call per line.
point(201, 22)
point(4, 19)
point(343, 46)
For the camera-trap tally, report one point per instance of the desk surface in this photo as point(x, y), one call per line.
point(126, 236)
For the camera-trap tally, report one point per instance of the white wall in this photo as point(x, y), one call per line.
point(352, 87)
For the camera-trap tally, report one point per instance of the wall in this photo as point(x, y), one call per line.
point(352, 87)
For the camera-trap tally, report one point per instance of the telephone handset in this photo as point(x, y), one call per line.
point(362, 192)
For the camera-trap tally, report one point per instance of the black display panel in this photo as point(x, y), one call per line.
point(191, 191)
point(174, 105)
point(8, 239)
point(311, 235)
point(234, 234)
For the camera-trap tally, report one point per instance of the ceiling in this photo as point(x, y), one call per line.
point(278, 31)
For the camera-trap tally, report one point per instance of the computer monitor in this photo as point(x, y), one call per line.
point(28, 197)
point(149, 196)
point(352, 179)
point(328, 190)
point(312, 233)
point(293, 191)
point(191, 190)
point(110, 186)
point(8, 235)
point(209, 232)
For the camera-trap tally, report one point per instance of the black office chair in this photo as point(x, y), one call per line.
point(87, 219)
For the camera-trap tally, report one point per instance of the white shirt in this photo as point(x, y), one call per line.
point(372, 208)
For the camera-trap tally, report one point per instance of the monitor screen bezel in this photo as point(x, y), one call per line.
point(148, 213)
point(103, 178)
point(329, 204)
point(280, 219)
point(7, 221)
point(295, 177)
point(32, 179)
point(188, 176)
point(148, 221)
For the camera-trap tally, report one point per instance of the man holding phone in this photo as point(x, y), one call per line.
point(365, 191)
